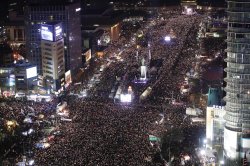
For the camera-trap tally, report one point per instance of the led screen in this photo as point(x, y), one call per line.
point(31, 72)
point(58, 32)
point(46, 33)
point(126, 98)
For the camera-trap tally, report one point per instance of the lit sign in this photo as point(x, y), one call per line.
point(51, 32)
point(126, 98)
point(58, 32)
point(46, 34)
point(45, 28)
point(31, 72)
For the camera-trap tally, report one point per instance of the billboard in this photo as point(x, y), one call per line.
point(126, 98)
point(51, 32)
point(231, 143)
point(68, 79)
point(46, 32)
point(31, 72)
point(58, 32)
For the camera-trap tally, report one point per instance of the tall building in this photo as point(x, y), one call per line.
point(52, 47)
point(237, 127)
point(6, 55)
point(41, 12)
point(215, 122)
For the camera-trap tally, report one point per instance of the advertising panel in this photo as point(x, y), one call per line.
point(58, 32)
point(46, 32)
point(31, 72)
point(68, 79)
point(230, 143)
point(51, 32)
point(126, 98)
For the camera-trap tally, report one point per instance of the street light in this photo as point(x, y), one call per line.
point(222, 162)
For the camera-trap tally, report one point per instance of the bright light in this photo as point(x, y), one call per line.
point(203, 152)
point(189, 11)
point(27, 120)
point(46, 34)
point(186, 158)
point(30, 131)
point(205, 141)
point(10, 123)
point(126, 98)
point(78, 9)
point(31, 72)
point(222, 162)
point(167, 38)
point(44, 28)
point(31, 162)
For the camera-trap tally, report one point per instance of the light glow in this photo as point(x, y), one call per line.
point(126, 98)
point(78, 9)
point(167, 38)
point(31, 72)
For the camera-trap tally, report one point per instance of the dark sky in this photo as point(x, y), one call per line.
point(4, 3)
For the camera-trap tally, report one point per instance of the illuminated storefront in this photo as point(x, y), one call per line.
point(7, 82)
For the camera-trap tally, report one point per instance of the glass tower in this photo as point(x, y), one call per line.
point(237, 128)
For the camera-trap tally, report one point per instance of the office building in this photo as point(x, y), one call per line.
point(52, 47)
point(237, 127)
point(38, 13)
point(25, 76)
point(6, 55)
point(215, 122)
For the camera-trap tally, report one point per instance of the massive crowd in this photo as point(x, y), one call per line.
point(103, 133)
point(20, 116)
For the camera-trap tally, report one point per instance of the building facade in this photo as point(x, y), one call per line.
point(237, 127)
point(68, 13)
point(52, 47)
point(215, 122)
point(6, 55)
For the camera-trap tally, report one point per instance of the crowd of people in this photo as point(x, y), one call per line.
point(20, 116)
point(104, 133)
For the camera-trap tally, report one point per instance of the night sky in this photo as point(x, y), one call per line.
point(4, 4)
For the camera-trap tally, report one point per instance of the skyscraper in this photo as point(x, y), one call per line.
point(41, 12)
point(53, 55)
point(237, 128)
